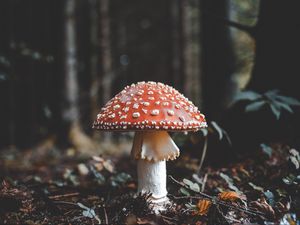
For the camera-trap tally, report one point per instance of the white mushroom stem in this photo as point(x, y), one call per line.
point(152, 149)
point(152, 179)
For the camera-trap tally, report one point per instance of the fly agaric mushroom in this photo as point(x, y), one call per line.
point(151, 110)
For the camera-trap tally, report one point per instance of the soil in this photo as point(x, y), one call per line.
point(62, 187)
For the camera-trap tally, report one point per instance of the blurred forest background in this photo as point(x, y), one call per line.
point(62, 60)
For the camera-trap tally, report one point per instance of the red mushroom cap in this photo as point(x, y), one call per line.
point(149, 106)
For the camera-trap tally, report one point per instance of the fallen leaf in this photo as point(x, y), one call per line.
point(82, 169)
point(89, 212)
point(203, 207)
point(255, 187)
point(108, 166)
point(98, 158)
point(229, 181)
point(229, 196)
point(262, 206)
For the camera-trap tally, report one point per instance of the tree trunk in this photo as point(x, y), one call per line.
point(106, 60)
point(94, 60)
point(106, 56)
point(217, 58)
point(177, 70)
point(276, 64)
point(277, 48)
point(191, 49)
point(71, 109)
point(186, 48)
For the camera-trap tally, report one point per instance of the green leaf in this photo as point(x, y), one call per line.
point(229, 182)
point(83, 206)
point(36, 55)
point(255, 187)
point(266, 149)
point(295, 161)
point(190, 206)
point(193, 186)
point(287, 181)
point(288, 100)
point(227, 137)
point(89, 212)
point(270, 196)
point(255, 106)
point(184, 191)
point(295, 153)
point(221, 132)
point(271, 94)
point(3, 76)
point(275, 110)
point(281, 192)
point(247, 95)
point(218, 129)
point(4, 61)
point(120, 179)
point(290, 179)
point(204, 132)
point(187, 182)
point(98, 176)
point(283, 106)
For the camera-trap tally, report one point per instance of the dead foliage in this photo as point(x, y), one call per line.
point(65, 189)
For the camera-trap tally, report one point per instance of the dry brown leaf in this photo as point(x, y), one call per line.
point(262, 206)
point(229, 196)
point(99, 166)
point(108, 166)
point(203, 207)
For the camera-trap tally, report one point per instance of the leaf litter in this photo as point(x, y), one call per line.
point(102, 190)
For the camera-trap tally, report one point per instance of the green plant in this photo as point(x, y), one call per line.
point(275, 101)
point(213, 129)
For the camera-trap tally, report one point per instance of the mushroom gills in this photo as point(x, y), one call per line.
point(154, 146)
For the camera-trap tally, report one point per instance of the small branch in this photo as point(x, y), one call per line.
point(204, 182)
point(213, 199)
point(67, 213)
point(248, 29)
point(203, 155)
point(251, 30)
point(169, 218)
point(53, 197)
point(105, 215)
point(64, 202)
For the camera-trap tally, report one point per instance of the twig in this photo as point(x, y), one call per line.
point(248, 29)
point(249, 211)
point(64, 202)
point(77, 217)
point(67, 213)
point(169, 218)
point(204, 182)
point(105, 215)
point(226, 217)
point(53, 197)
point(203, 155)
point(215, 200)
point(185, 197)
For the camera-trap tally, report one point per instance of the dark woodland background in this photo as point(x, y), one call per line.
point(62, 60)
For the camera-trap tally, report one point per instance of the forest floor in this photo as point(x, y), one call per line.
point(61, 187)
